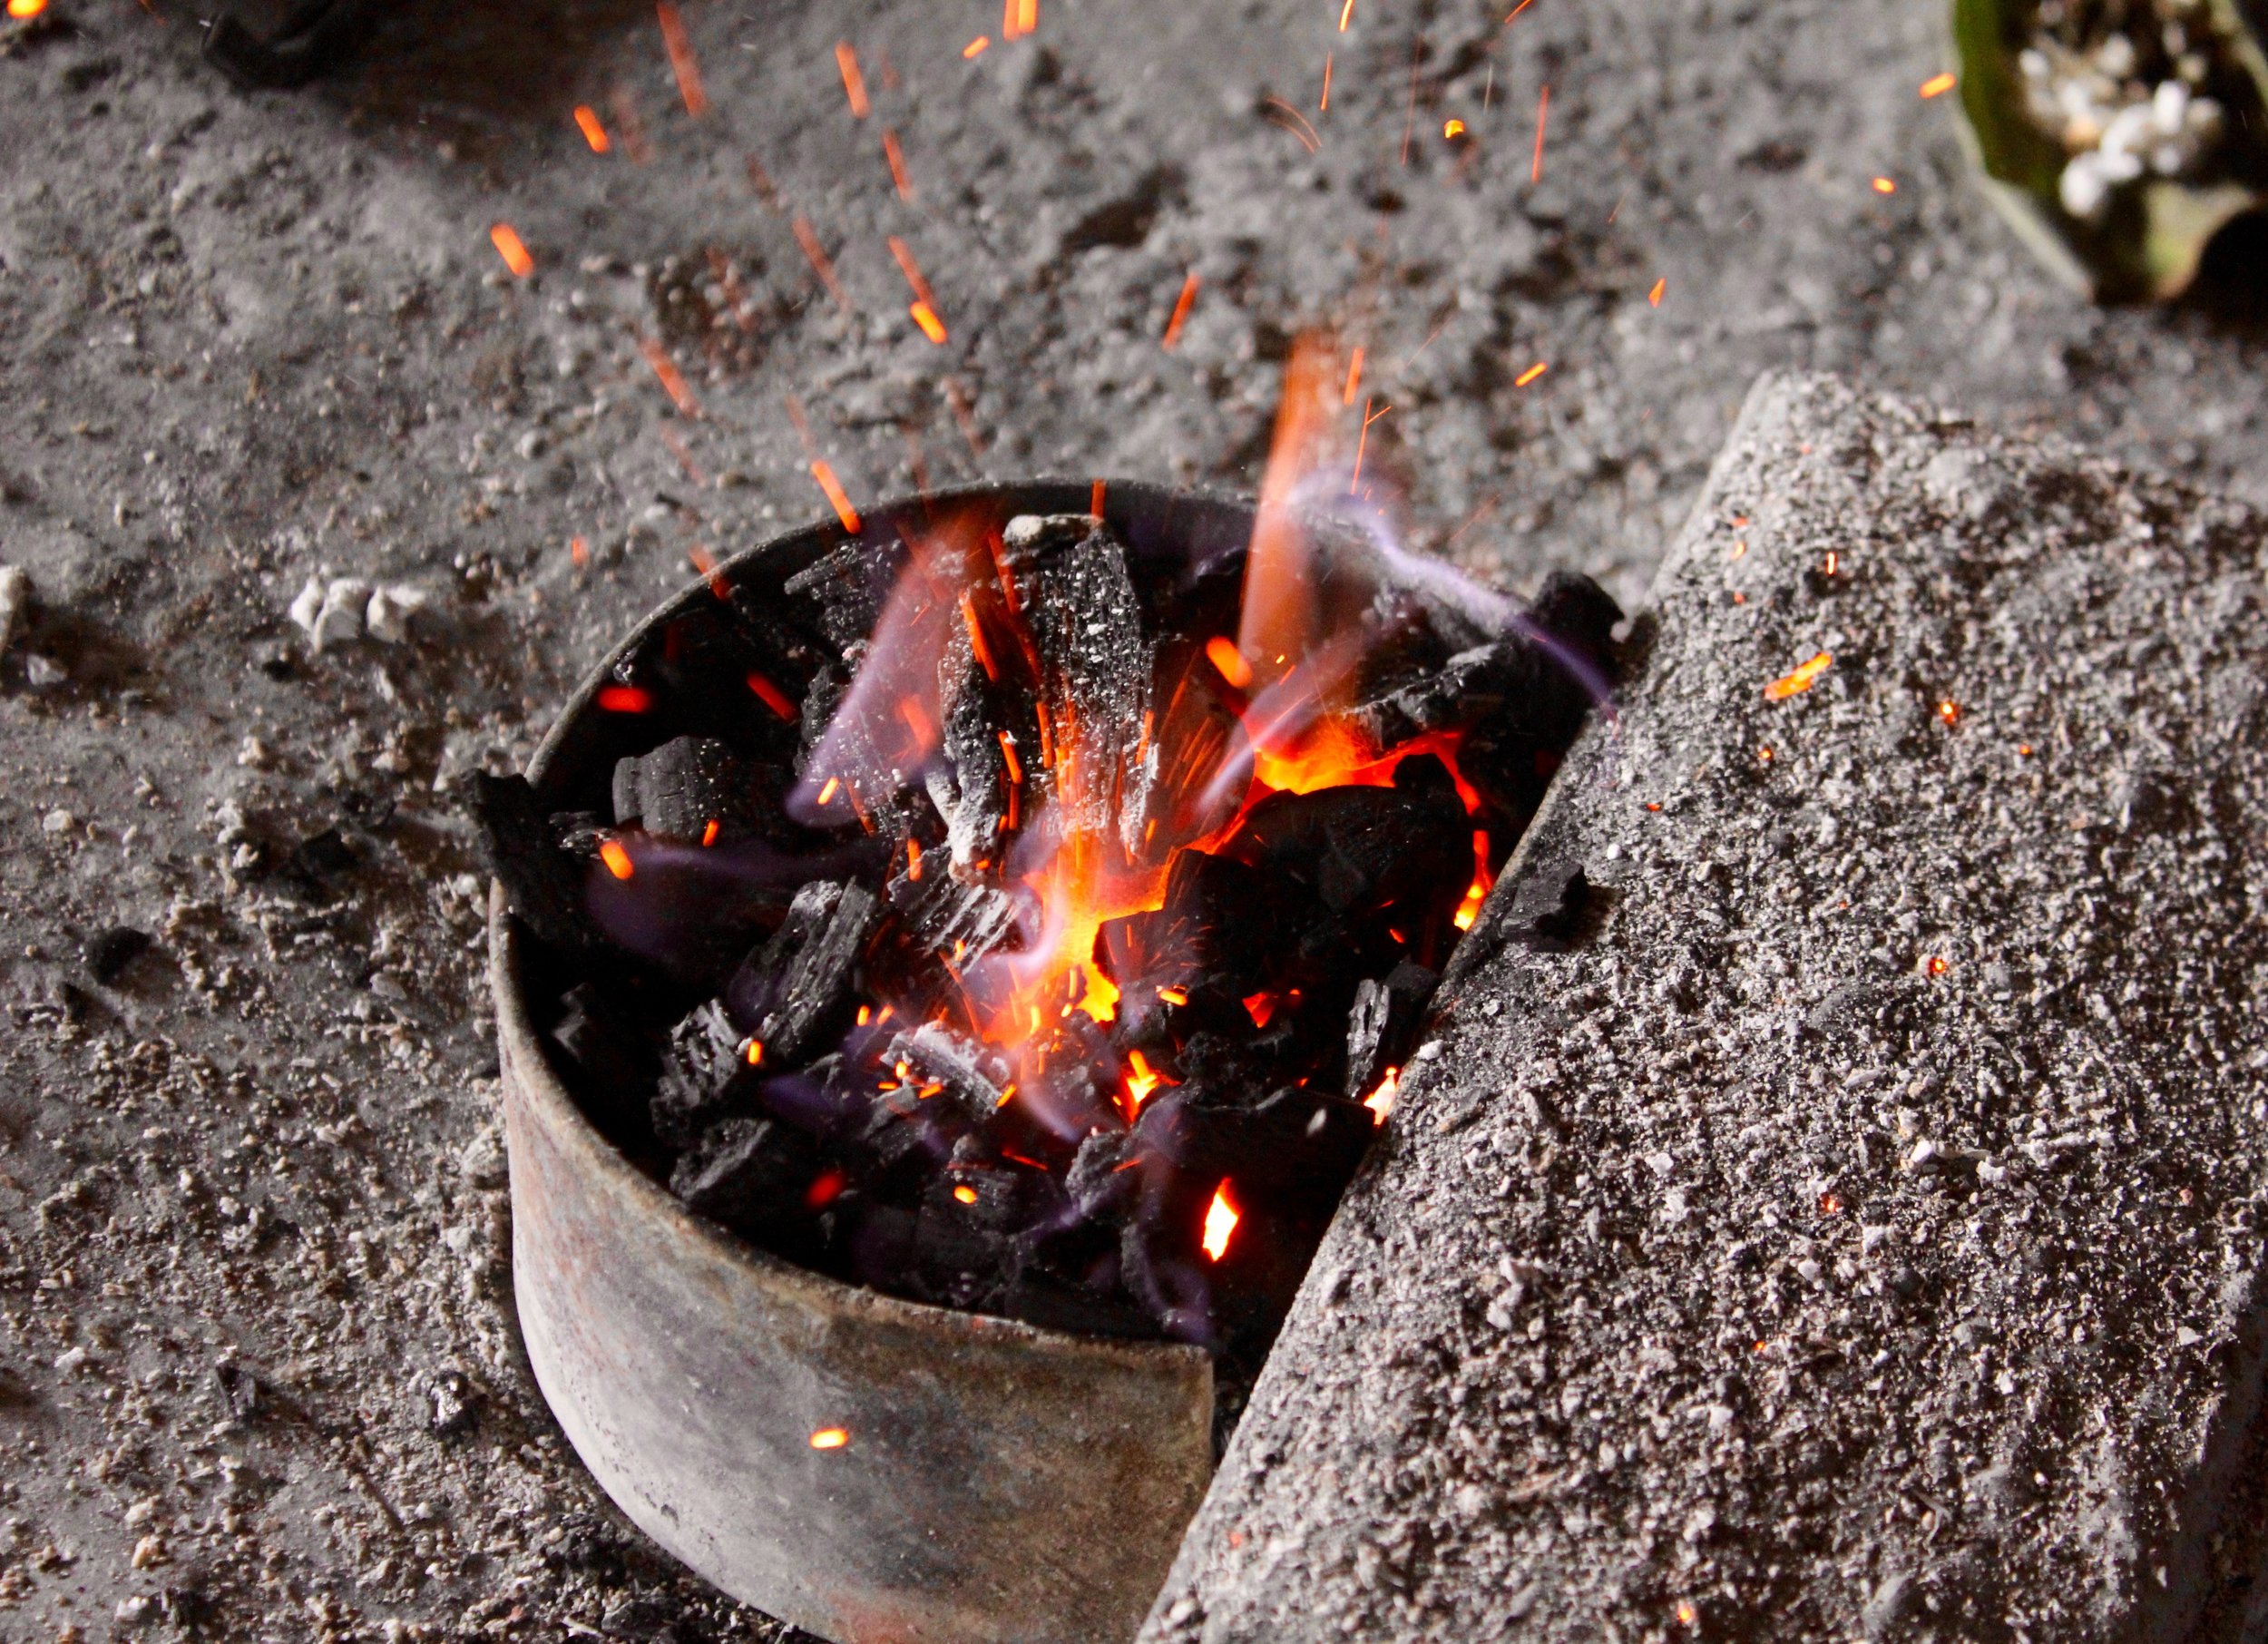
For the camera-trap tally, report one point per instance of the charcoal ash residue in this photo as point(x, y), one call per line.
point(910, 936)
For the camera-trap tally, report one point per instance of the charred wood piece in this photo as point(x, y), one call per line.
point(1383, 1025)
point(845, 589)
point(751, 1175)
point(705, 1075)
point(684, 787)
point(935, 1062)
point(798, 987)
point(542, 885)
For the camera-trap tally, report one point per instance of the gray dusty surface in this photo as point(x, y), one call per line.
point(250, 341)
point(1857, 1231)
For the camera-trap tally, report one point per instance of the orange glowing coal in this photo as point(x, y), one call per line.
point(1220, 1223)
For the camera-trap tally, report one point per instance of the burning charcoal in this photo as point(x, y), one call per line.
point(1195, 735)
point(846, 589)
point(705, 1074)
point(109, 951)
point(1294, 1146)
point(936, 1062)
point(1458, 693)
point(1404, 853)
point(965, 921)
point(751, 1175)
point(1086, 624)
point(798, 985)
point(987, 722)
point(1402, 646)
point(543, 886)
point(685, 788)
point(1547, 907)
point(1383, 1025)
point(1221, 927)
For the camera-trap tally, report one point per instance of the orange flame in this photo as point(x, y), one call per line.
point(1221, 1218)
point(1381, 1100)
point(1280, 620)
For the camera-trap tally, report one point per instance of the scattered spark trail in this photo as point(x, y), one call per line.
point(1346, 15)
point(1293, 120)
point(808, 239)
point(896, 157)
point(1324, 106)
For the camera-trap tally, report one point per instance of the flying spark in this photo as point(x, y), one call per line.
point(672, 380)
point(1452, 127)
point(1543, 114)
point(895, 155)
point(1531, 374)
point(1353, 377)
point(593, 132)
point(1884, 185)
point(1653, 296)
point(681, 63)
point(837, 496)
point(1346, 15)
point(1799, 680)
point(616, 858)
point(829, 1438)
point(1937, 85)
point(853, 79)
point(1220, 1221)
point(816, 254)
point(1180, 311)
point(22, 11)
point(511, 248)
point(975, 48)
point(926, 317)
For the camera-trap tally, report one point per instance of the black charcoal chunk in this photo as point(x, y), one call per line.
point(1104, 1183)
point(974, 1079)
point(748, 1174)
point(845, 589)
point(1222, 926)
point(601, 1045)
point(1547, 908)
point(543, 886)
point(681, 788)
point(705, 1075)
point(1579, 613)
point(1086, 624)
point(796, 987)
point(1383, 1025)
point(1366, 849)
point(963, 921)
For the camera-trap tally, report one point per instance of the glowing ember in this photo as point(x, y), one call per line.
point(774, 698)
point(976, 47)
point(711, 831)
point(23, 10)
point(513, 249)
point(1452, 127)
point(593, 134)
point(828, 792)
point(754, 1055)
point(1937, 85)
point(625, 699)
point(1949, 712)
point(829, 1438)
point(1141, 1079)
point(926, 318)
point(1938, 965)
point(1687, 1616)
point(1884, 185)
point(1220, 1222)
point(682, 62)
point(1180, 310)
point(1829, 1205)
point(1653, 296)
point(1381, 1100)
point(1763, 756)
point(616, 858)
point(965, 1194)
point(1798, 680)
point(1531, 374)
point(837, 498)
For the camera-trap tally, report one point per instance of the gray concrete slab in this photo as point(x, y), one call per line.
point(1857, 1233)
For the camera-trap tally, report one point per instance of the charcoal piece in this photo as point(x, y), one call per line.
point(610, 1061)
point(937, 1062)
point(798, 987)
point(1383, 1023)
point(750, 1175)
point(450, 1403)
point(782, 649)
point(1547, 908)
point(1222, 926)
point(1193, 736)
point(240, 1391)
point(109, 951)
point(1462, 691)
point(846, 589)
point(1579, 613)
point(1406, 848)
point(1402, 646)
point(678, 789)
point(963, 921)
point(1086, 626)
point(1103, 1181)
point(991, 731)
point(705, 1076)
point(828, 687)
point(542, 885)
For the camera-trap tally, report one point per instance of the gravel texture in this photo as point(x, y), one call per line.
point(252, 344)
point(1857, 1231)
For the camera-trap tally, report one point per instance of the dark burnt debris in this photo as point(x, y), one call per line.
point(1002, 995)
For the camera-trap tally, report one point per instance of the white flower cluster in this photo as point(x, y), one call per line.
point(2117, 123)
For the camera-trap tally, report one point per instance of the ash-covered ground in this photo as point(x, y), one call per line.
point(258, 1377)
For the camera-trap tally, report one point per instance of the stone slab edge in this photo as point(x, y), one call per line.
point(1857, 1234)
